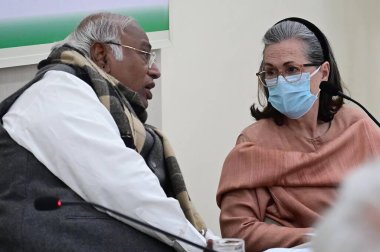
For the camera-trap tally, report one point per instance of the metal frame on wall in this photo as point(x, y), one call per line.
point(30, 28)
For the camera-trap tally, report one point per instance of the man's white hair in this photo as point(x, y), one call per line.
point(353, 223)
point(100, 27)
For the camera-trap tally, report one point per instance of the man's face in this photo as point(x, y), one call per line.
point(133, 70)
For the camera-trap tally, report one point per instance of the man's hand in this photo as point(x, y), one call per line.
point(210, 237)
point(210, 243)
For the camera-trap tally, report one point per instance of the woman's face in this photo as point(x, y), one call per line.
point(281, 57)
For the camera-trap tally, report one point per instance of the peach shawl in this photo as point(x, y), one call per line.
point(274, 175)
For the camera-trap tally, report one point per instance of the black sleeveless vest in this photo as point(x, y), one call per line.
point(72, 228)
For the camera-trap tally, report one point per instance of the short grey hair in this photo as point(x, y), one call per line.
point(294, 30)
point(100, 27)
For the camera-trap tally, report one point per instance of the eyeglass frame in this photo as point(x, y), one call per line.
point(280, 73)
point(152, 55)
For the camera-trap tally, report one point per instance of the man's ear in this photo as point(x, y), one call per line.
point(99, 54)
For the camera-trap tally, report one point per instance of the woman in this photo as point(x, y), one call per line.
point(286, 167)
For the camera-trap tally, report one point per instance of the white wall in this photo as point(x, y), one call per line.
point(209, 81)
point(12, 78)
point(208, 74)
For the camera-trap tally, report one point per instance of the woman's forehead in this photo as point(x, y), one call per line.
point(285, 51)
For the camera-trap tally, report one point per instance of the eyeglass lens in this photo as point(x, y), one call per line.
point(152, 59)
point(269, 76)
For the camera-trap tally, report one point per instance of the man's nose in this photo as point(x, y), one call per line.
point(154, 71)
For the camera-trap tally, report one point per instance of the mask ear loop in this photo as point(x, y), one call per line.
point(316, 71)
point(311, 75)
point(319, 92)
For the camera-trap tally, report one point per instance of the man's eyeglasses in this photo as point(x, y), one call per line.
point(150, 57)
point(291, 73)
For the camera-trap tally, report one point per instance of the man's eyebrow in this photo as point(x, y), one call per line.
point(146, 45)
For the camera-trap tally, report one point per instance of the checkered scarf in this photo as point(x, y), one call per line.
point(129, 114)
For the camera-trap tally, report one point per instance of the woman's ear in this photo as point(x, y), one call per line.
point(325, 68)
point(99, 54)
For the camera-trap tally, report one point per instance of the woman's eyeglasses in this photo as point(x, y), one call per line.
point(291, 73)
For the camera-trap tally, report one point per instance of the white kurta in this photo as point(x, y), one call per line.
point(62, 122)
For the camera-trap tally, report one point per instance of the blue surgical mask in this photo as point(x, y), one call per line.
point(293, 99)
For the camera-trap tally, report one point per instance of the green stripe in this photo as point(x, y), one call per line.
point(44, 30)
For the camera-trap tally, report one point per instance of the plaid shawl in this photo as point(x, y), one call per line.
point(130, 116)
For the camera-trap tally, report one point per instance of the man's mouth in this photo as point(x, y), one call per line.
point(148, 94)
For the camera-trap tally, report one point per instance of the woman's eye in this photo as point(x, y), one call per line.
point(293, 70)
point(269, 74)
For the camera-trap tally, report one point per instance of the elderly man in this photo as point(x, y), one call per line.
point(77, 131)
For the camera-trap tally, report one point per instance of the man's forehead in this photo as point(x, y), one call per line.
point(135, 33)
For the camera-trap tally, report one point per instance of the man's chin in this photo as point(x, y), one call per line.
point(145, 103)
